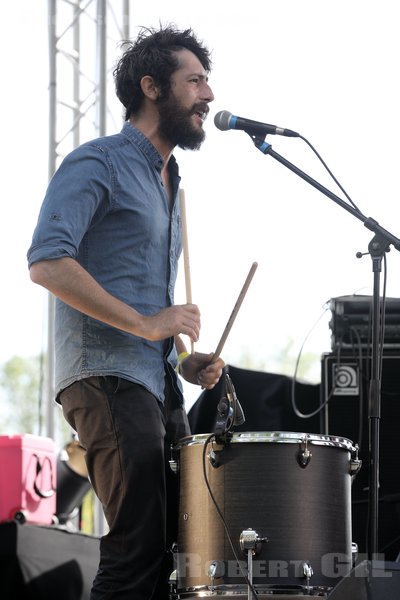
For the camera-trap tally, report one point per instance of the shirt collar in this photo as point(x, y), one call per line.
point(144, 144)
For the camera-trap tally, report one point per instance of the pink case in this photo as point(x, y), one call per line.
point(28, 478)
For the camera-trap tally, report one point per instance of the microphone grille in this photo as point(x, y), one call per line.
point(222, 120)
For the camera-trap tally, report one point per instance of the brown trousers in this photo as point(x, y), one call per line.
point(128, 437)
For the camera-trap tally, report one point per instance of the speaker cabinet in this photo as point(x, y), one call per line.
point(345, 384)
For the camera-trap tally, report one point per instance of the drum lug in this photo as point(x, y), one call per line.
point(304, 455)
point(214, 457)
point(174, 466)
point(216, 570)
point(354, 553)
point(355, 462)
point(307, 572)
point(172, 583)
point(173, 462)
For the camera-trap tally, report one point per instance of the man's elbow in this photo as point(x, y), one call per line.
point(39, 273)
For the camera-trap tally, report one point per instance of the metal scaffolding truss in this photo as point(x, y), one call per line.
point(84, 41)
point(84, 38)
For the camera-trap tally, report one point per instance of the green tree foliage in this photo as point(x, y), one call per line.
point(284, 361)
point(20, 383)
point(22, 401)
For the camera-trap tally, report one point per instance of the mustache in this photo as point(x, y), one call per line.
point(201, 107)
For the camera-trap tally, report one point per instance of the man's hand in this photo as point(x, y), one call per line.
point(201, 369)
point(172, 321)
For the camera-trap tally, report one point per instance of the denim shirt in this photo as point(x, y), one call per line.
point(107, 207)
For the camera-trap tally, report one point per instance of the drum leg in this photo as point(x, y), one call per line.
point(250, 544)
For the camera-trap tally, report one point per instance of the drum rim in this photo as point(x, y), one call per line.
point(276, 437)
point(239, 589)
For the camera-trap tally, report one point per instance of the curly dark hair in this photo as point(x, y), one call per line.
point(154, 53)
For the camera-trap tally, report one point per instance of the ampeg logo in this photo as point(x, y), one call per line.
point(345, 379)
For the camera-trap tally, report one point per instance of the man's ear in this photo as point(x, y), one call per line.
point(149, 88)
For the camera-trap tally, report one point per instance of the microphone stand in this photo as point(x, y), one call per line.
point(377, 247)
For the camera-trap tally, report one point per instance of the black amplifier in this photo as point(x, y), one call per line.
point(351, 322)
point(345, 386)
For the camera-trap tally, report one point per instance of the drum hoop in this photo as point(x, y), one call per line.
point(227, 589)
point(275, 437)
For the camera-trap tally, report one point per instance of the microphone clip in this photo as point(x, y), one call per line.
point(229, 412)
point(260, 143)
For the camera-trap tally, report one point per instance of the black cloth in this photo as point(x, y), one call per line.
point(43, 563)
point(266, 399)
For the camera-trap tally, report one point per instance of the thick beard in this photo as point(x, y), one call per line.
point(175, 125)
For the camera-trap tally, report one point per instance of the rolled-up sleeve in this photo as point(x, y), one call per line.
point(79, 192)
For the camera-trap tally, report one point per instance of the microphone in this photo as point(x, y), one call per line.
point(224, 120)
point(238, 414)
point(229, 411)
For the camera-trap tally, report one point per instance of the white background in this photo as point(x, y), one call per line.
point(327, 69)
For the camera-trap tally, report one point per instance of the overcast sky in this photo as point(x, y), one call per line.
point(325, 68)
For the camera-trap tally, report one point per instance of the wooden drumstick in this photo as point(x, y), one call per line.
point(185, 245)
point(235, 310)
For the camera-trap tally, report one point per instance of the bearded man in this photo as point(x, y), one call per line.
point(107, 245)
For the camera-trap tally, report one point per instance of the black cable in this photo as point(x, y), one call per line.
point(383, 317)
point(207, 442)
point(383, 304)
point(357, 350)
point(296, 411)
point(330, 172)
point(379, 375)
